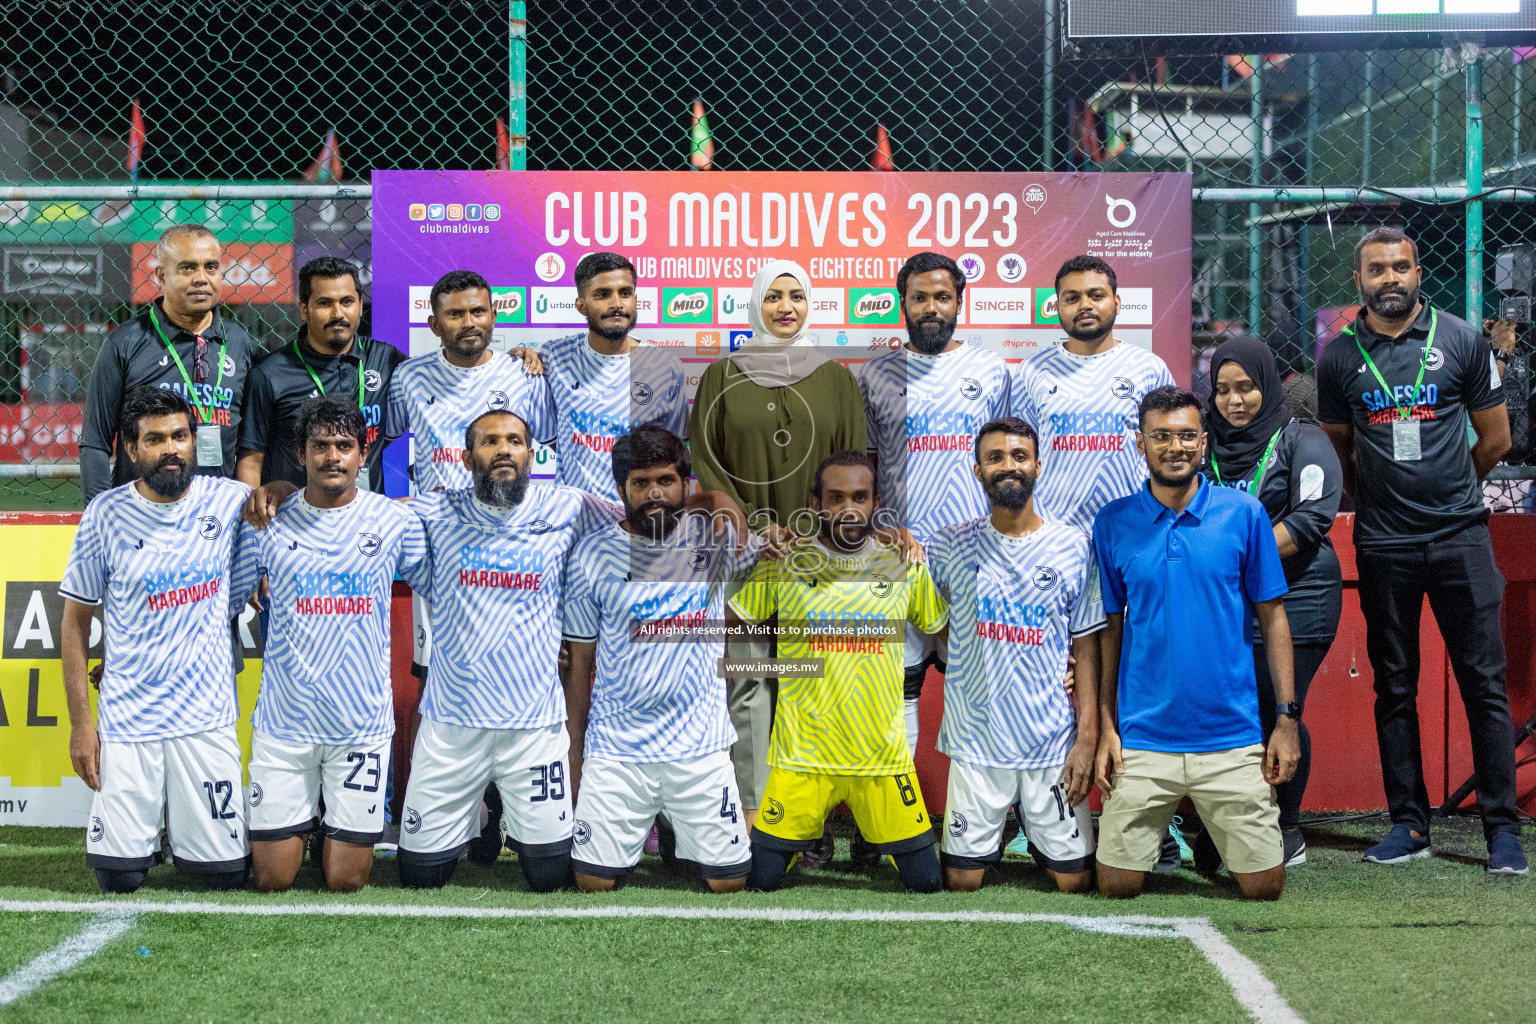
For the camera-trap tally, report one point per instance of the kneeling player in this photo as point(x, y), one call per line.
point(657, 735)
point(158, 552)
point(842, 737)
point(1021, 592)
point(325, 716)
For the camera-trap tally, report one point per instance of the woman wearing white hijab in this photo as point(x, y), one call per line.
point(763, 420)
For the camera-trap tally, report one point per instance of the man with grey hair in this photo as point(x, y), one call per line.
point(179, 341)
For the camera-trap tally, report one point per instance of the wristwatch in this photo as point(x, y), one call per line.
point(1290, 708)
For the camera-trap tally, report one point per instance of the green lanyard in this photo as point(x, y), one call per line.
point(316, 377)
point(1406, 410)
point(1258, 481)
point(206, 414)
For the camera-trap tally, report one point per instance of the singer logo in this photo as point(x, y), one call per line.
point(874, 306)
point(686, 305)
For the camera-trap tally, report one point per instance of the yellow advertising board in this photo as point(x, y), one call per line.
point(37, 784)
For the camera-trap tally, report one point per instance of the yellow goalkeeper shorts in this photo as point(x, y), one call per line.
point(889, 810)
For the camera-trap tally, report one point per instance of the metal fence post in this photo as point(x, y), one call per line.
point(517, 120)
point(1474, 187)
point(1048, 100)
point(1255, 232)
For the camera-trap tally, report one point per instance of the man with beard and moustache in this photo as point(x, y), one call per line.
point(1082, 397)
point(1185, 568)
point(643, 603)
point(1396, 390)
point(924, 403)
point(1023, 594)
point(493, 708)
point(178, 341)
point(160, 554)
point(325, 720)
point(841, 737)
point(435, 396)
point(603, 383)
point(328, 358)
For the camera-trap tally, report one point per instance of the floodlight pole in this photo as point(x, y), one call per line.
point(1475, 186)
point(517, 114)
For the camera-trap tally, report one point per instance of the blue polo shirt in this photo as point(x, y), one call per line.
point(1187, 583)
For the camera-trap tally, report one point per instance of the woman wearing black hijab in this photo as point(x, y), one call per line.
point(1291, 467)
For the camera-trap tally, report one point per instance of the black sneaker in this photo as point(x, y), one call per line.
point(1169, 857)
point(486, 847)
point(818, 857)
point(861, 853)
point(1295, 847)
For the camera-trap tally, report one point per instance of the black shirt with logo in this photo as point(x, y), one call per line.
point(1301, 489)
point(133, 356)
point(1411, 502)
point(280, 384)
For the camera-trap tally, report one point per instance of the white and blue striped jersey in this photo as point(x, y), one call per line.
point(1085, 410)
point(497, 580)
point(923, 413)
point(325, 670)
point(436, 401)
point(164, 572)
point(596, 399)
point(656, 699)
point(1015, 603)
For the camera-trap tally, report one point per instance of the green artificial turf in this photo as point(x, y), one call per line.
point(1348, 942)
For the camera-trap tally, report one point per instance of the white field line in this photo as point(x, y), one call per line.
point(1253, 991)
point(84, 944)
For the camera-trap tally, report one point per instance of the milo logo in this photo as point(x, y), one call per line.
point(873, 306)
point(511, 305)
point(1045, 307)
point(687, 305)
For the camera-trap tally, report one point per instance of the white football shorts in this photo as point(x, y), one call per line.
point(288, 776)
point(977, 805)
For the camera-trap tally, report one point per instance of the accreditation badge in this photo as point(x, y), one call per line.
point(210, 445)
point(1405, 441)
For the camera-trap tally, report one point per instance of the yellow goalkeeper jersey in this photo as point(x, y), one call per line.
point(850, 721)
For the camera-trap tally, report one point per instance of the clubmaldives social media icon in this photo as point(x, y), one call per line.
point(455, 211)
point(472, 211)
point(418, 211)
point(493, 211)
point(436, 211)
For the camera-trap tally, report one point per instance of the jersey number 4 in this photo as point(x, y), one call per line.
point(727, 809)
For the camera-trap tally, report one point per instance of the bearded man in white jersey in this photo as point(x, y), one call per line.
point(1023, 594)
point(1083, 397)
point(644, 604)
point(325, 718)
point(493, 709)
point(158, 553)
point(924, 403)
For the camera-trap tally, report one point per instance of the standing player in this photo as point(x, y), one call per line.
point(493, 709)
point(1022, 592)
point(842, 737)
point(925, 402)
point(657, 738)
point(1082, 397)
point(158, 553)
point(328, 357)
point(436, 396)
point(604, 382)
point(325, 716)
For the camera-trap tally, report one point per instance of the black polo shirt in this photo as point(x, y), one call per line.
point(134, 355)
point(1415, 502)
point(281, 383)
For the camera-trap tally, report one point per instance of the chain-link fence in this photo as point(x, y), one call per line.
point(273, 94)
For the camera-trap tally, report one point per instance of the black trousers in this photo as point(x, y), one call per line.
point(1466, 594)
point(1307, 657)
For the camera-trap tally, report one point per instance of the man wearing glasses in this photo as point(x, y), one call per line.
point(180, 342)
point(1184, 567)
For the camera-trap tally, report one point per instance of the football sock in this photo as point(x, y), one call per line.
point(114, 880)
point(919, 869)
point(768, 868)
point(546, 874)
